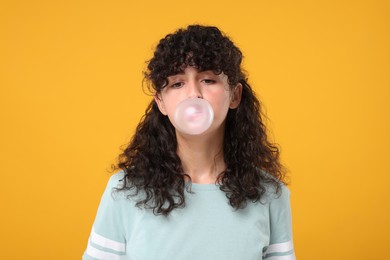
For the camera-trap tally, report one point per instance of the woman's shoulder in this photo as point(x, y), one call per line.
point(275, 190)
point(118, 186)
point(116, 180)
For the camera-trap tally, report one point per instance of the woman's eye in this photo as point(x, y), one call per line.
point(176, 85)
point(209, 81)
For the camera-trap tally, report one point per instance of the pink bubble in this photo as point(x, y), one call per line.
point(193, 116)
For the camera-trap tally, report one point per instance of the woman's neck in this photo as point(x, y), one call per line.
point(201, 157)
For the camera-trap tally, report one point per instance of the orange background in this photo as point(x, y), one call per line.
point(70, 78)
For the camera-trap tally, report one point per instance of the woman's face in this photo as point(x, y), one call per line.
point(195, 84)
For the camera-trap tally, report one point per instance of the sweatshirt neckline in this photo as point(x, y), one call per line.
point(202, 186)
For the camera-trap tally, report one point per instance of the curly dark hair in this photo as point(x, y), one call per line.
point(150, 161)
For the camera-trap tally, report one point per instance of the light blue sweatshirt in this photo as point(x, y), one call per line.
point(207, 228)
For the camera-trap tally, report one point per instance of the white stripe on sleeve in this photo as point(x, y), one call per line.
point(101, 255)
point(281, 257)
point(107, 243)
point(280, 247)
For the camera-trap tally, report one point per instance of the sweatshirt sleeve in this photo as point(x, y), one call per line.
point(107, 238)
point(281, 240)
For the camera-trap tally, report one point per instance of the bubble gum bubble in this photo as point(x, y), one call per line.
point(193, 116)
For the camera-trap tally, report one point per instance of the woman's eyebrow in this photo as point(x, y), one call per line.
point(209, 72)
point(171, 77)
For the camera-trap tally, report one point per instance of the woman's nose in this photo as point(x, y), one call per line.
point(194, 90)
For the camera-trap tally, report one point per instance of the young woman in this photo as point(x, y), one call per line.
point(216, 195)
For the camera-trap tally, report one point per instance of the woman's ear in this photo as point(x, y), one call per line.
point(236, 96)
point(160, 103)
